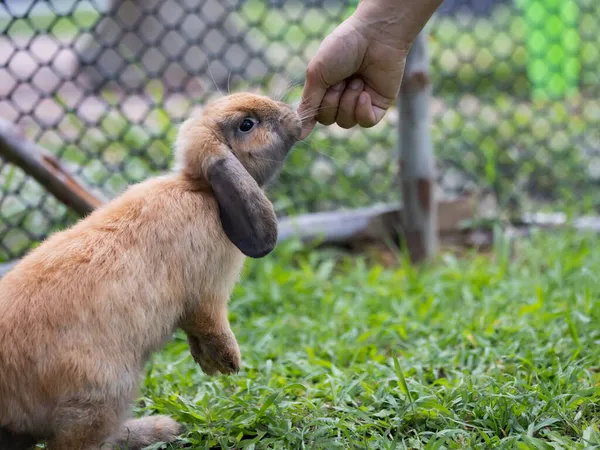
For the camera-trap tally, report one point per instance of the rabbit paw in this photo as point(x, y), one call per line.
point(216, 352)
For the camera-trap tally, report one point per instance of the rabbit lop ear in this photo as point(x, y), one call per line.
point(247, 216)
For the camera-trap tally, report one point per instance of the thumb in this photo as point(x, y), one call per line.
point(312, 95)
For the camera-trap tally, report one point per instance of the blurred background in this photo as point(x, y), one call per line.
point(102, 85)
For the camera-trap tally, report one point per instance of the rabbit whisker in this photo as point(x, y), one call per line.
point(262, 158)
point(213, 79)
point(307, 114)
point(292, 85)
point(310, 97)
point(324, 154)
point(311, 114)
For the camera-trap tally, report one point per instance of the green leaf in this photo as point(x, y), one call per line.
point(268, 402)
point(401, 380)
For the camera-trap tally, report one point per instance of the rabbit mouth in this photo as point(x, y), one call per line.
point(296, 132)
point(270, 160)
point(289, 138)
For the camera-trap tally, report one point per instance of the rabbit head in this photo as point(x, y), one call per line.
point(235, 147)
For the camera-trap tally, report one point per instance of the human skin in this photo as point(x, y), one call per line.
point(355, 74)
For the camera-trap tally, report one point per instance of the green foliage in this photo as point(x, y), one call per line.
point(337, 353)
point(531, 155)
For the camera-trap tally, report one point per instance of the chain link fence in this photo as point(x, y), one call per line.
point(104, 84)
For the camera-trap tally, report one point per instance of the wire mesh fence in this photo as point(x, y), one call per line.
point(104, 84)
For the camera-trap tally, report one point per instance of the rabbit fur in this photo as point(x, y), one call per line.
point(82, 313)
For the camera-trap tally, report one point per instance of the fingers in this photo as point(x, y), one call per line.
point(330, 103)
point(367, 114)
point(349, 106)
point(364, 114)
point(346, 117)
point(314, 90)
point(372, 107)
point(347, 103)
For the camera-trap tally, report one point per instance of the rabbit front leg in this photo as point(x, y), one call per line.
point(212, 343)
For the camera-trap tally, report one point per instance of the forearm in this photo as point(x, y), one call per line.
point(209, 317)
point(396, 21)
point(212, 343)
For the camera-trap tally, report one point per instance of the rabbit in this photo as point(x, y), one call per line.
point(82, 313)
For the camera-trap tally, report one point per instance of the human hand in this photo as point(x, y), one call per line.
point(356, 73)
point(353, 78)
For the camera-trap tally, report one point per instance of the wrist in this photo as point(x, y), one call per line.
point(395, 22)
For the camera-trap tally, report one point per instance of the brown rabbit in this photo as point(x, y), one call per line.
point(81, 314)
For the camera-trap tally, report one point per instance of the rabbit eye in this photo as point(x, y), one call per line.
point(246, 125)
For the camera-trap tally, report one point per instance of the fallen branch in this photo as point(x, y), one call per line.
point(46, 169)
point(337, 227)
point(376, 224)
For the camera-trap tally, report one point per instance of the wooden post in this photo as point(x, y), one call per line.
point(417, 161)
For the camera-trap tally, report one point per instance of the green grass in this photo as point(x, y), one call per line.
point(476, 352)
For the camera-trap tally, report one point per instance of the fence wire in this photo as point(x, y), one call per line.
point(104, 84)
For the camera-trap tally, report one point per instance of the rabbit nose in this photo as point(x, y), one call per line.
point(286, 119)
point(292, 123)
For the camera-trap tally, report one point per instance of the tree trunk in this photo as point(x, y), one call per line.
point(417, 161)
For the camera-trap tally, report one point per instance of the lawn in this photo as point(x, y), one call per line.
point(340, 352)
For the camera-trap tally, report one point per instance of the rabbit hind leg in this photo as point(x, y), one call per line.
point(136, 434)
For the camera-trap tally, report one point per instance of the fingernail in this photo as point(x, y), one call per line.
point(355, 84)
point(338, 87)
point(362, 99)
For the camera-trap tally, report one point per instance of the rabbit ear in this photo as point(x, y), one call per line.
point(247, 216)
